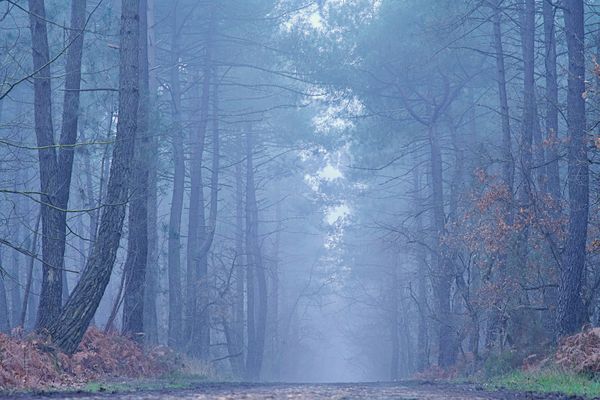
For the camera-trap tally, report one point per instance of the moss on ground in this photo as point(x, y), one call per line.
point(549, 381)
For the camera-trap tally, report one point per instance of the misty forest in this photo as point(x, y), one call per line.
point(300, 191)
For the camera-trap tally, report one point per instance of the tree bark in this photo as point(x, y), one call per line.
point(55, 173)
point(52, 220)
point(571, 311)
point(68, 329)
point(137, 243)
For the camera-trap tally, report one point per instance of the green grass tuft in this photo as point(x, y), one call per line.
point(549, 381)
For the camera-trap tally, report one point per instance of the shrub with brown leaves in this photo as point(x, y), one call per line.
point(34, 363)
point(580, 352)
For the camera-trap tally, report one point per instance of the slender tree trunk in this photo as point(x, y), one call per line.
point(14, 270)
point(552, 155)
point(4, 311)
point(55, 173)
point(525, 143)
point(197, 263)
point(496, 321)
point(174, 239)
point(52, 222)
point(421, 266)
point(443, 275)
point(507, 157)
point(70, 117)
point(257, 310)
point(200, 235)
point(28, 284)
point(394, 325)
point(151, 293)
point(238, 361)
point(67, 330)
point(571, 311)
point(274, 296)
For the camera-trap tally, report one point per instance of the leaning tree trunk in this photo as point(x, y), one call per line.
point(571, 311)
point(137, 243)
point(67, 330)
point(70, 115)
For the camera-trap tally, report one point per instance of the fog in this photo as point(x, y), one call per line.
point(302, 191)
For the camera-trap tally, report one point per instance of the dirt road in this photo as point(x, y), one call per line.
point(350, 391)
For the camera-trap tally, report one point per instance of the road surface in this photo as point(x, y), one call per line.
point(346, 391)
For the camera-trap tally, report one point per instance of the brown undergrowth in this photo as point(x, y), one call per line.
point(581, 352)
point(34, 363)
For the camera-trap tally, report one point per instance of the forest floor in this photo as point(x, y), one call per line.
point(343, 391)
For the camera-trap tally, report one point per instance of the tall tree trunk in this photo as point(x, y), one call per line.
point(507, 157)
point(421, 266)
point(273, 298)
point(571, 311)
point(442, 281)
point(52, 220)
point(256, 282)
point(70, 115)
point(196, 261)
point(395, 324)
point(174, 239)
point(55, 173)
point(238, 360)
point(552, 155)
point(496, 321)
point(528, 127)
point(151, 293)
point(67, 330)
point(201, 234)
point(137, 243)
